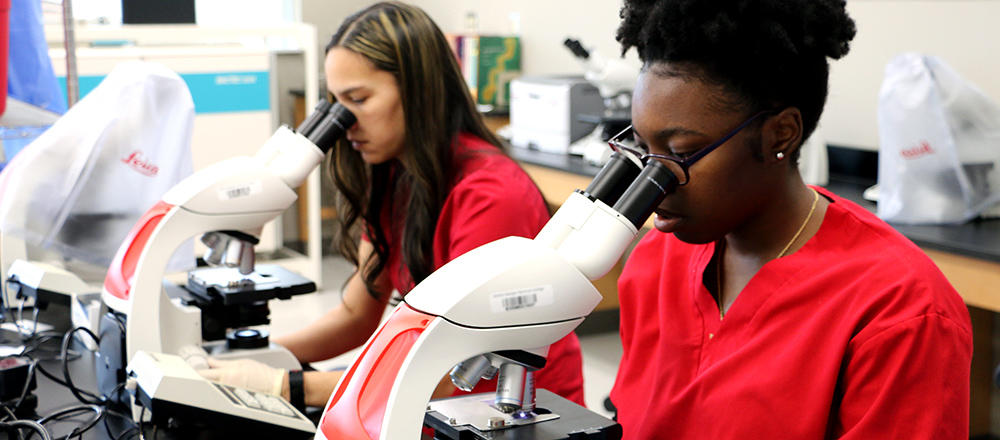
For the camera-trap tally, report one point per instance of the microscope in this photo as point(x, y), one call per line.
point(229, 203)
point(495, 311)
point(614, 81)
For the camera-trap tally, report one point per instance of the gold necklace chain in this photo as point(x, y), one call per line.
point(718, 263)
point(801, 227)
point(718, 279)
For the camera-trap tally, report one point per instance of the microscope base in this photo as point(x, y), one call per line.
point(571, 421)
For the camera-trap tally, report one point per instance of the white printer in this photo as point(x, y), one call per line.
point(545, 110)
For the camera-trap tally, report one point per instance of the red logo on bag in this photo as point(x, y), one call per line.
point(920, 150)
point(141, 164)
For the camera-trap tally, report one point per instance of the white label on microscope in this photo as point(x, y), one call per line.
point(241, 190)
point(521, 299)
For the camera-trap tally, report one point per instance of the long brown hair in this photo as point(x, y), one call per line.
point(402, 40)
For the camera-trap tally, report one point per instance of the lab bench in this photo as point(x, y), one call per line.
point(968, 255)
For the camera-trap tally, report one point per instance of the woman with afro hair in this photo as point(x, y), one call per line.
point(763, 308)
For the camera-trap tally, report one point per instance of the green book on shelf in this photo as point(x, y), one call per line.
point(499, 63)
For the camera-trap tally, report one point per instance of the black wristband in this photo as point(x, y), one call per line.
point(296, 390)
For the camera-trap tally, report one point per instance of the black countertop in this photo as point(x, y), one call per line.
point(562, 162)
point(977, 239)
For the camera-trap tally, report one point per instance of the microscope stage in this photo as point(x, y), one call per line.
point(265, 283)
point(468, 417)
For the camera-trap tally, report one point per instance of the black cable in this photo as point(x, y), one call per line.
point(20, 318)
point(67, 339)
point(78, 431)
point(27, 386)
point(7, 312)
point(126, 417)
point(9, 413)
point(142, 415)
point(48, 334)
point(59, 381)
point(100, 414)
point(133, 430)
point(99, 405)
point(27, 424)
point(72, 411)
point(36, 342)
point(64, 356)
point(65, 412)
point(3, 296)
point(109, 413)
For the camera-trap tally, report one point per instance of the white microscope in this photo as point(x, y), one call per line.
point(615, 82)
point(229, 202)
point(497, 308)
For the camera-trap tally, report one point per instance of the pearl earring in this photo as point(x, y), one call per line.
point(780, 155)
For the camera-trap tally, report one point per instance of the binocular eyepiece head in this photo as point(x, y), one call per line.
point(327, 123)
point(632, 191)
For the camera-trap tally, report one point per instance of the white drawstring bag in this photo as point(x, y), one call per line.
point(80, 187)
point(939, 147)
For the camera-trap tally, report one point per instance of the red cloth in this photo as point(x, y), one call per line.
point(492, 198)
point(857, 335)
point(4, 32)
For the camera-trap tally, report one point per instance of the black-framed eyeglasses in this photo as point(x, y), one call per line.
point(680, 165)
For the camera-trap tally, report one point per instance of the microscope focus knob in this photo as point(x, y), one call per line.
point(247, 338)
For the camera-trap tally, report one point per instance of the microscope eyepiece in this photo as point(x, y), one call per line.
point(613, 179)
point(646, 192)
point(332, 127)
point(307, 126)
point(577, 48)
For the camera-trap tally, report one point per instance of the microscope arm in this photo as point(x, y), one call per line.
point(511, 294)
point(611, 76)
point(241, 193)
point(474, 305)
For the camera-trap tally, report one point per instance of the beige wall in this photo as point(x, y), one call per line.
point(544, 25)
point(965, 33)
point(326, 15)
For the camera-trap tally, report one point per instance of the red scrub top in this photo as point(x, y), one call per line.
point(492, 198)
point(857, 335)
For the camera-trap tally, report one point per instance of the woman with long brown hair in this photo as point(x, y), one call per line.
point(423, 180)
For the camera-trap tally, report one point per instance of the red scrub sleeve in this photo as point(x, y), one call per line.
point(915, 373)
